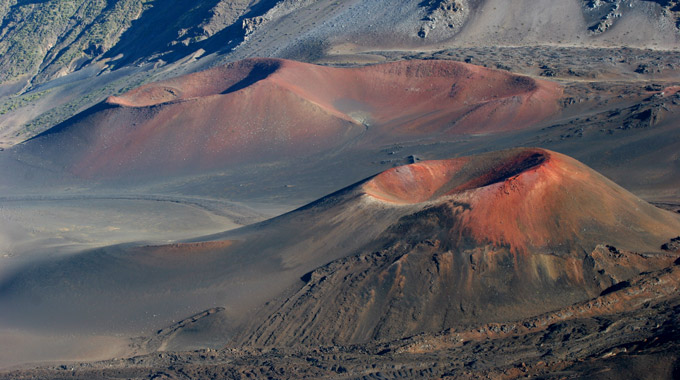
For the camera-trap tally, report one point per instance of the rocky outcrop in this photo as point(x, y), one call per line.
point(250, 24)
point(604, 13)
point(601, 15)
point(445, 16)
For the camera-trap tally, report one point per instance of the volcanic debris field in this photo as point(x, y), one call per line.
point(448, 189)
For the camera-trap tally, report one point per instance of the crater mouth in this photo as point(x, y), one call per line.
point(219, 81)
point(514, 166)
point(260, 70)
point(429, 180)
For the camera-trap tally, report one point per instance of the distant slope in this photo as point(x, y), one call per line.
point(355, 26)
point(46, 39)
point(266, 110)
point(572, 23)
point(59, 57)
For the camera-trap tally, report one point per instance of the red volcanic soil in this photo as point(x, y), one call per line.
point(268, 109)
point(406, 95)
point(527, 197)
point(478, 239)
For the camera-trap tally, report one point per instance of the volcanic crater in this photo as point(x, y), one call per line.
point(498, 236)
point(259, 110)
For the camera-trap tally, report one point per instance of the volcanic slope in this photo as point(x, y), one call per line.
point(263, 110)
point(494, 237)
point(417, 248)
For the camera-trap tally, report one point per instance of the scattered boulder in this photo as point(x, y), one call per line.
point(672, 245)
point(251, 24)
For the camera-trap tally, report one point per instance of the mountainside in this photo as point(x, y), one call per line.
point(47, 39)
point(509, 175)
point(416, 249)
point(52, 38)
point(258, 110)
point(60, 57)
point(500, 236)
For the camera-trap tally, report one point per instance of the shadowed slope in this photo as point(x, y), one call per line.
point(220, 80)
point(265, 109)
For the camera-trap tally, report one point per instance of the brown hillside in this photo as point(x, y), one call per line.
point(487, 238)
point(267, 109)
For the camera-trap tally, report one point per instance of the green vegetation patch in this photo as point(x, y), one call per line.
point(13, 103)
